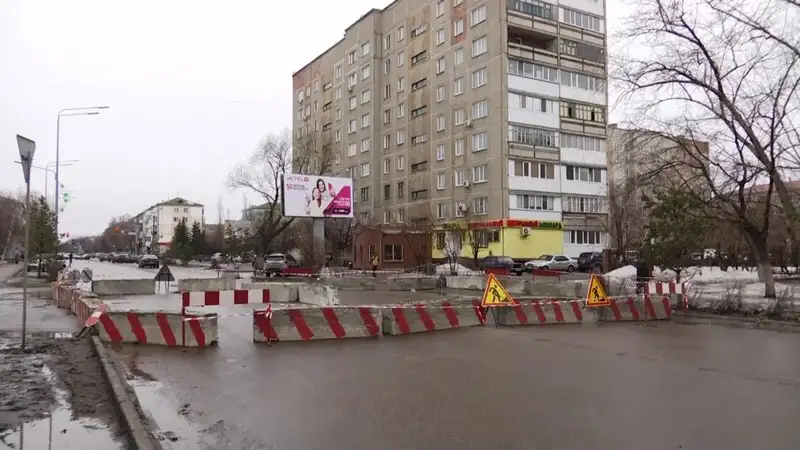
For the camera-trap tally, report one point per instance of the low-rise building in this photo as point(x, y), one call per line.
point(155, 225)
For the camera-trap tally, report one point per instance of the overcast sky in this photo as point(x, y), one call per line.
point(192, 85)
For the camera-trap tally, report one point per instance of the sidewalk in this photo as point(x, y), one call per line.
point(8, 270)
point(43, 315)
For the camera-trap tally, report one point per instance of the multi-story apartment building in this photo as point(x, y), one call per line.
point(491, 112)
point(155, 224)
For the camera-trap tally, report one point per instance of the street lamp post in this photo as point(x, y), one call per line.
point(47, 168)
point(86, 111)
point(27, 148)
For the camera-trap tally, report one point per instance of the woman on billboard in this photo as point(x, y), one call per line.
point(315, 206)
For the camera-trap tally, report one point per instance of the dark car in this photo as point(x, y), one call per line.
point(492, 262)
point(590, 261)
point(151, 261)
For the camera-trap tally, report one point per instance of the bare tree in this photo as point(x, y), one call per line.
point(339, 234)
point(278, 154)
point(708, 76)
point(451, 242)
point(11, 222)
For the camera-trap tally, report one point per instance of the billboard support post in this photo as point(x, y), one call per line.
point(318, 233)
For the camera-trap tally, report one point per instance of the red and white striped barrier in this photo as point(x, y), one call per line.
point(225, 298)
point(314, 323)
point(420, 318)
point(666, 287)
point(158, 328)
point(541, 312)
point(632, 309)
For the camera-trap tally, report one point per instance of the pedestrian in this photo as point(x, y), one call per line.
point(70, 259)
point(375, 262)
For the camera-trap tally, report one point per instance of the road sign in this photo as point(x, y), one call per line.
point(596, 296)
point(86, 275)
point(495, 294)
point(26, 150)
point(95, 317)
point(164, 274)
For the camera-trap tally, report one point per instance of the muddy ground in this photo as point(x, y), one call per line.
point(25, 390)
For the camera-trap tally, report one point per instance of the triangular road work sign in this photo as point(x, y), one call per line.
point(164, 274)
point(596, 296)
point(495, 294)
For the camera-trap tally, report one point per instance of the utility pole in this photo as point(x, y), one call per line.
point(27, 148)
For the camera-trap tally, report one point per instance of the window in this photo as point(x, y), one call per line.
point(439, 93)
point(419, 139)
point(327, 106)
point(352, 80)
point(327, 126)
point(458, 147)
point(533, 169)
point(387, 191)
point(584, 237)
point(441, 211)
point(327, 86)
point(338, 136)
point(582, 20)
point(387, 91)
point(460, 208)
point(392, 252)
point(364, 194)
point(387, 66)
point(316, 105)
point(401, 139)
point(536, 202)
point(421, 194)
point(480, 206)
point(591, 174)
point(479, 78)
point(365, 49)
point(477, 15)
point(582, 81)
point(440, 36)
point(582, 50)
point(401, 164)
point(440, 8)
point(459, 117)
point(480, 173)
point(338, 158)
point(401, 110)
point(584, 204)
point(365, 121)
point(352, 149)
point(365, 96)
point(583, 142)
point(386, 141)
point(351, 172)
point(532, 136)
point(530, 70)
point(364, 217)
point(580, 111)
point(418, 58)
point(401, 215)
point(387, 166)
point(401, 33)
point(401, 189)
point(401, 58)
point(387, 41)
point(401, 84)
point(365, 145)
point(419, 84)
point(536, 104)
point(480, 141)
point(365, 169)
point(458, 27)
point(480, 46)
point(351, 57)
point(387, 215)
point(440, 152)
point(441, 180)
point(338, 113)
point(338, 93)
point(480, 109)
point(365, 72)
point(458, 86)
point(457, 2)
point(534, 8)
point(440, 66)
point(458, 56)
point(351, 126)
point(353, 102)
point(440, 122)
point(337, 72)
point(418, 31)
point(458, 177)
point(419, 111)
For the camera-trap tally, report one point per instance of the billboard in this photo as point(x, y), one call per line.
point(316, 196)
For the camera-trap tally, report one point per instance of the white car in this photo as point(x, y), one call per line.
point(553, 262)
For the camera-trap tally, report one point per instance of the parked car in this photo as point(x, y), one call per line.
point(491, 262)
point(276, 262)
point(146, 261)
point(552, 262)
point(590, 261)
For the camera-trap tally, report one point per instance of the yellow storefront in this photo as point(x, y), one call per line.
point(515, 238)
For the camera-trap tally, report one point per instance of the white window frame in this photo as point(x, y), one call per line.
point(458, 86)
point(480, 173)
point(441, 151)
point(441, 181)
point(458, 147)
point(477, 16)
point(401, 163)
point(480, 141)
point(364, 170)
point(440, 37)
point(458, 27)
point(480, 77)
point(365, 145)
point(480, 46)
point(441, 123)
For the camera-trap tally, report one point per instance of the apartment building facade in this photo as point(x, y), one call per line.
point(491, 112)
point(155, 225)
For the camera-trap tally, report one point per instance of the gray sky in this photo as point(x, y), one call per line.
point(192, 85)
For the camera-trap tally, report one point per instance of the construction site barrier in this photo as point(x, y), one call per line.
point(207, 284)
point(632, 309)
point(315, 323)
point(225, 298)
point(124, 287)
point(541, 312)
point(278, 292)
point(432, 316)
point(166, 328)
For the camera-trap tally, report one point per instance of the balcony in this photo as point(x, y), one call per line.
point(533, 15)
point(533, 46)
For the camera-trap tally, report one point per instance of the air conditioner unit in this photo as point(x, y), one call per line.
point(525, 231)
point(465, 183)
point(468, 123)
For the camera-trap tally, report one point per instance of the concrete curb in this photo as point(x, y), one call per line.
point(735, 321)
point(124, 398)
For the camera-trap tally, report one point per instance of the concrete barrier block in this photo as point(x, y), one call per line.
point(317, 294)
point(207, 284)
point(552, 290)
point(312, 323)
point(636, 309)
point(278, 292)
point(419, 283)
point(124, 287)
point(169, 329)
point(540, 312)
point(352, 284)
point(432, 316)
point(514, 285)
point(470, 282)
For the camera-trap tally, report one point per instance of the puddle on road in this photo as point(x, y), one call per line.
point(170, 422)
point(59, 431)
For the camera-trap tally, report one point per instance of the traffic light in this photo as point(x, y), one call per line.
point(116, 229)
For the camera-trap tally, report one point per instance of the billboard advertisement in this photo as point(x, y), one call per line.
point(316, 196)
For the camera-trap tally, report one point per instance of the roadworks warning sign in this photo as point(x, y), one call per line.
point(596, 296)
point(495, 294)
